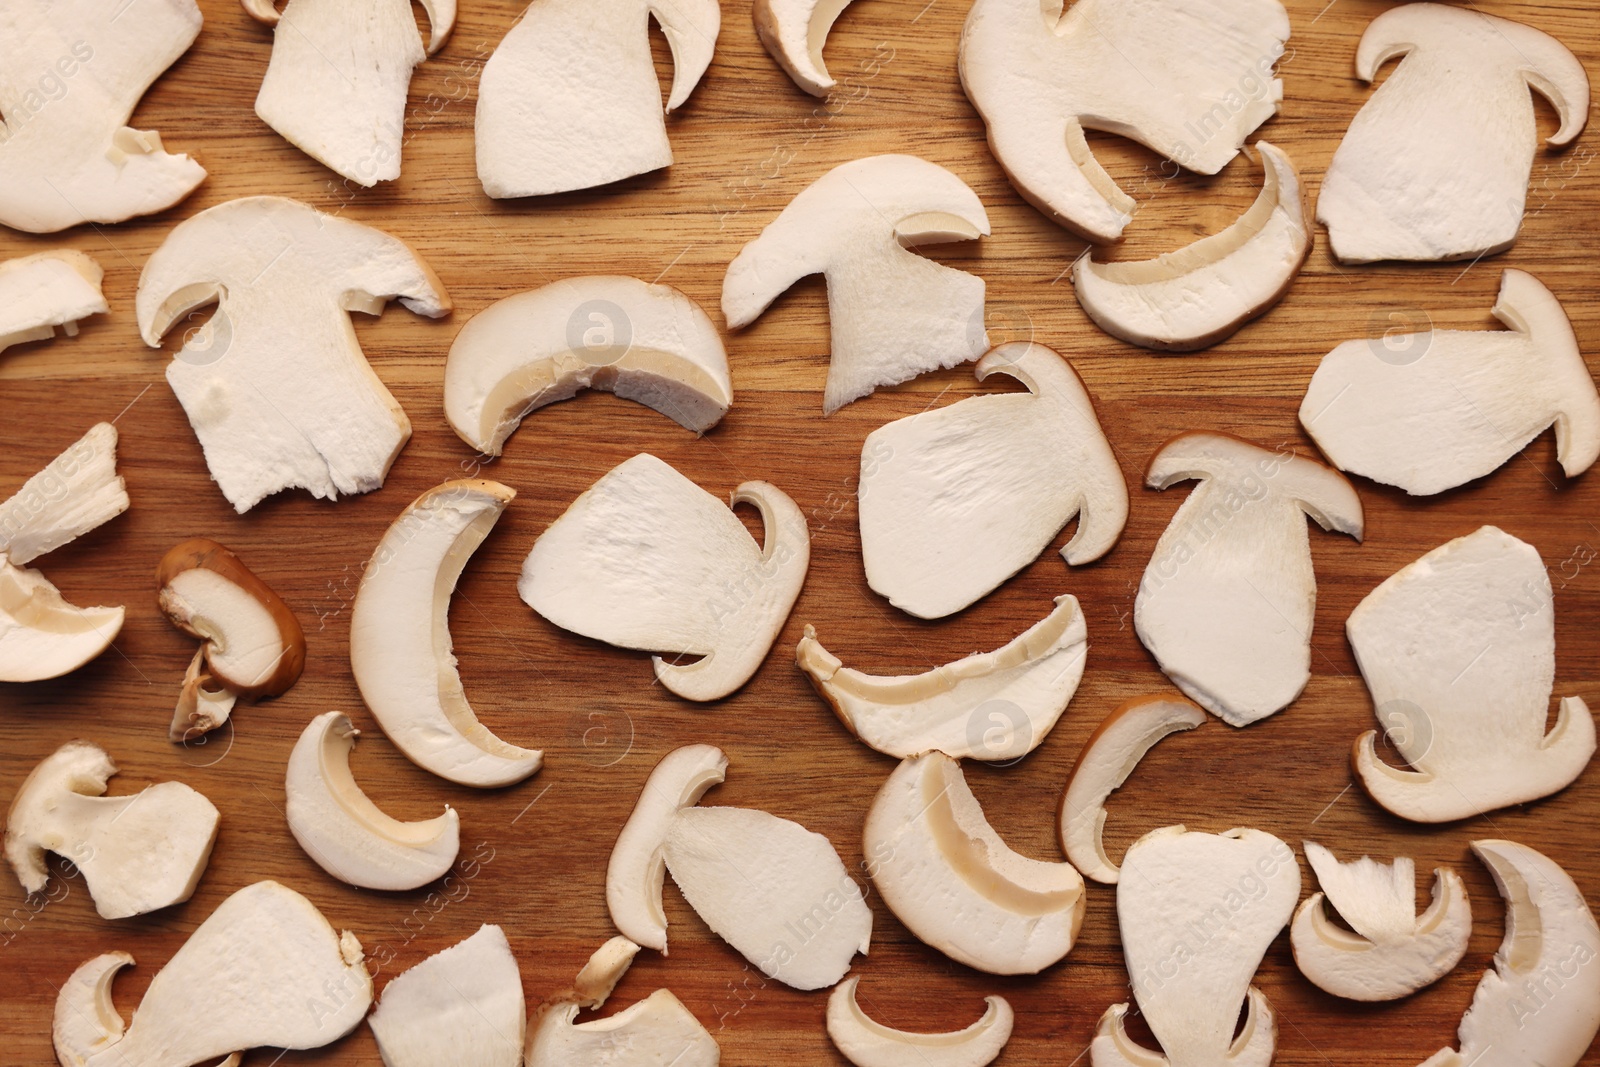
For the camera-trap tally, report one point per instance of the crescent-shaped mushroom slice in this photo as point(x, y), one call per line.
point(866, 1042)
point(648, 343)
point(794, 33)
point(41, 292)
point(1202, 293)
point(400, 647)
point(1108, 757)
point(462, 1006)
point(946, 874)
point(990, 706)
point(1433, 410)
point(956, 500)
point(686, 579)
point(892, 314)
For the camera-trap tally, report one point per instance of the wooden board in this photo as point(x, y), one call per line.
point(534, 855)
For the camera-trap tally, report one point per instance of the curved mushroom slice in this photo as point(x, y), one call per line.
point(638, 863)
point(264, 969)
point(956, 500)
point(40, 292)
point(1187, 79)
point(1186, 300)
point(204, 703)
point(1395, 188)
point(275, 384)
point(1464, 404)
point(1227, 601)
point(1108, 757)
point(570, 100)
point(648, 343)
point(400, 646)
point(866, 1042)
point(1393, 953)
point(137, 853)
point(794, 32)
point(462, 1006)
point(70, 158)
point(990, 706)
point(946, 874)
point(892, 314)
point(41, 635)
point(687, 578)
point(1459, 652)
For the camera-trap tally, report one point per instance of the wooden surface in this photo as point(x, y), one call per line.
point(745, 144)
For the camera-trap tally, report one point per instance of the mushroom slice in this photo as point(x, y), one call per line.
point(1395, 189)
point(275, 384)
point(400, 647)
point(946, 874)
point(893, 314)
point(648, 343)
point(686, 578)
point(1189, 79)
point(137, 853)
point(638, 864)
point(1393, 953)
point(955, 501)
point(1108, 757)
point(1459, 652)
point(1228, 598)
point(1432, 410)
point(990, 706)
point(69, 158)
point(41, 635)
point(1197, 912)
point(43, 291)
point(794, 32)
point(866, 1042)
point(570, 100)
point(264, 969)
point(462, 1006)
point(656, 1030)
point(1202, 293)
point(772, 889)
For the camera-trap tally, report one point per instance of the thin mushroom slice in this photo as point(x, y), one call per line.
point(1192, 298)
point(1458, 650)
point(687, 579)
point(794, 33)
point(957, 500)
point(647, 343)
point(462, 1006)
point(400, 646)
point(996, 705)
point(866, 1042)
point(1432, 410)
point(42, 292)
point(1395, 188)
point(1108, 758)
point(1227, 600)
point(892, 314)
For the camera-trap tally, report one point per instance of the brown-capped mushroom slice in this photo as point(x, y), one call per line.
point(866, 1042)
point(42, 292)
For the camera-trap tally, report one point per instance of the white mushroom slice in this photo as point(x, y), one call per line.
point(990, 706)
point(75, 71)
point(275, 384)
point(137, 853)
point(1543, 970)
point(264, 969)
point(647, 343)
point(893, 314)
point(956, 500)
point(41, 635)
point(461, 1006)
point(204, 703)
point(687, 578)
point(400, 646)
point(570, 100)
point(638, 863)
point(794, 32)
point(1197, 912)
point(1395, 189)
point(1459, 652)
point(1392, 953)
point(1189, 79)
point(41, 292)
point(336, 85)
point(946, 874)
point(1186, 300)
point(1108, 757)
point(866, 1042)
point(1228, 598)
point(772, 889)
point(1432, 410)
